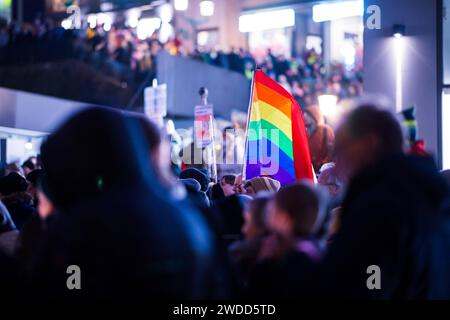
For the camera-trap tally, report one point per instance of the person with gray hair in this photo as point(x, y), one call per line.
point(390, 216)
point(365, 135)
point(330, 179)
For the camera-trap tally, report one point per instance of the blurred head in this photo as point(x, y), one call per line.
point(12, 183)
point(329, 178)
point(33, 179)
point(95, 151)
point(28, 166)
point(282, 79)
point(364, 136)
point(13, 167)
point(227, 185)
point(198, 175)
point(255, 218)
point(261, 184)
point(297, 211)
point(159, 149)
point(230, 211)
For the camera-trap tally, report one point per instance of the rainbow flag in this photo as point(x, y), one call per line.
point(277, 145)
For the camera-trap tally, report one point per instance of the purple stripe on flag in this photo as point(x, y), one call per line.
point(257, 170)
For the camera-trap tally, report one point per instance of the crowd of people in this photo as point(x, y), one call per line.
point(119, 53)
point(102, 196)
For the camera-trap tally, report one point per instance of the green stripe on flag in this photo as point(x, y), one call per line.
point(262, 128)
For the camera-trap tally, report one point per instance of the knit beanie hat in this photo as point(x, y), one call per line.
point(264, 184)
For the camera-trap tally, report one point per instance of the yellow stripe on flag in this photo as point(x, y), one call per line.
point(273, 98)
point(262, 110)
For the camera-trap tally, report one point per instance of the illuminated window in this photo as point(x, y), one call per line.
point(338, 10)
point(266, 20)
point(181, 5)
point(207, 8)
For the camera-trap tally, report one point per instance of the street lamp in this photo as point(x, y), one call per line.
point(399, 30)
point(398, 34)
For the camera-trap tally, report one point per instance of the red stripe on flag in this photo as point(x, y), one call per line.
point(270, 83)
point(300, 142)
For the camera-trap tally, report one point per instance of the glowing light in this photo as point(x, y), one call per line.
point(328, 105)
point(181, 5)
point(106, 6)
point(103, 18)
point(399, 30)
point(207, 8)
point(165, 13)
point(66, 24)
point(106, 20)
point(314, 42)
point(170, 127)
point(165, 32)
point(267, 20)
point(92, 21)
point(333, 11)
point(29, 145)
point(446, 130)
point(147, 26)
point(398, 48)
point(348, 51)
point(133, 16)
point(202, 38)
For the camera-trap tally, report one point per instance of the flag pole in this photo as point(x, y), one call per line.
point(250, 105)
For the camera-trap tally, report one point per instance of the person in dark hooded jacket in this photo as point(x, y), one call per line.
point(200, 175)
point(14, 195)
point(114, 220)
point(383, 249)
point(195, 194)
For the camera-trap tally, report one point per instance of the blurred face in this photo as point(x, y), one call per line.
point(353, 154)
point(228, 189)
point(278, 221)
point(26, 170)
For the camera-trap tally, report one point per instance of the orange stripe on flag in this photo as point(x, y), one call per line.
point(260, 77)
point(273, 98)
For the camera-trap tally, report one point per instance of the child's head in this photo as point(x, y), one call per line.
point(254, 218)
point(297, 211)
